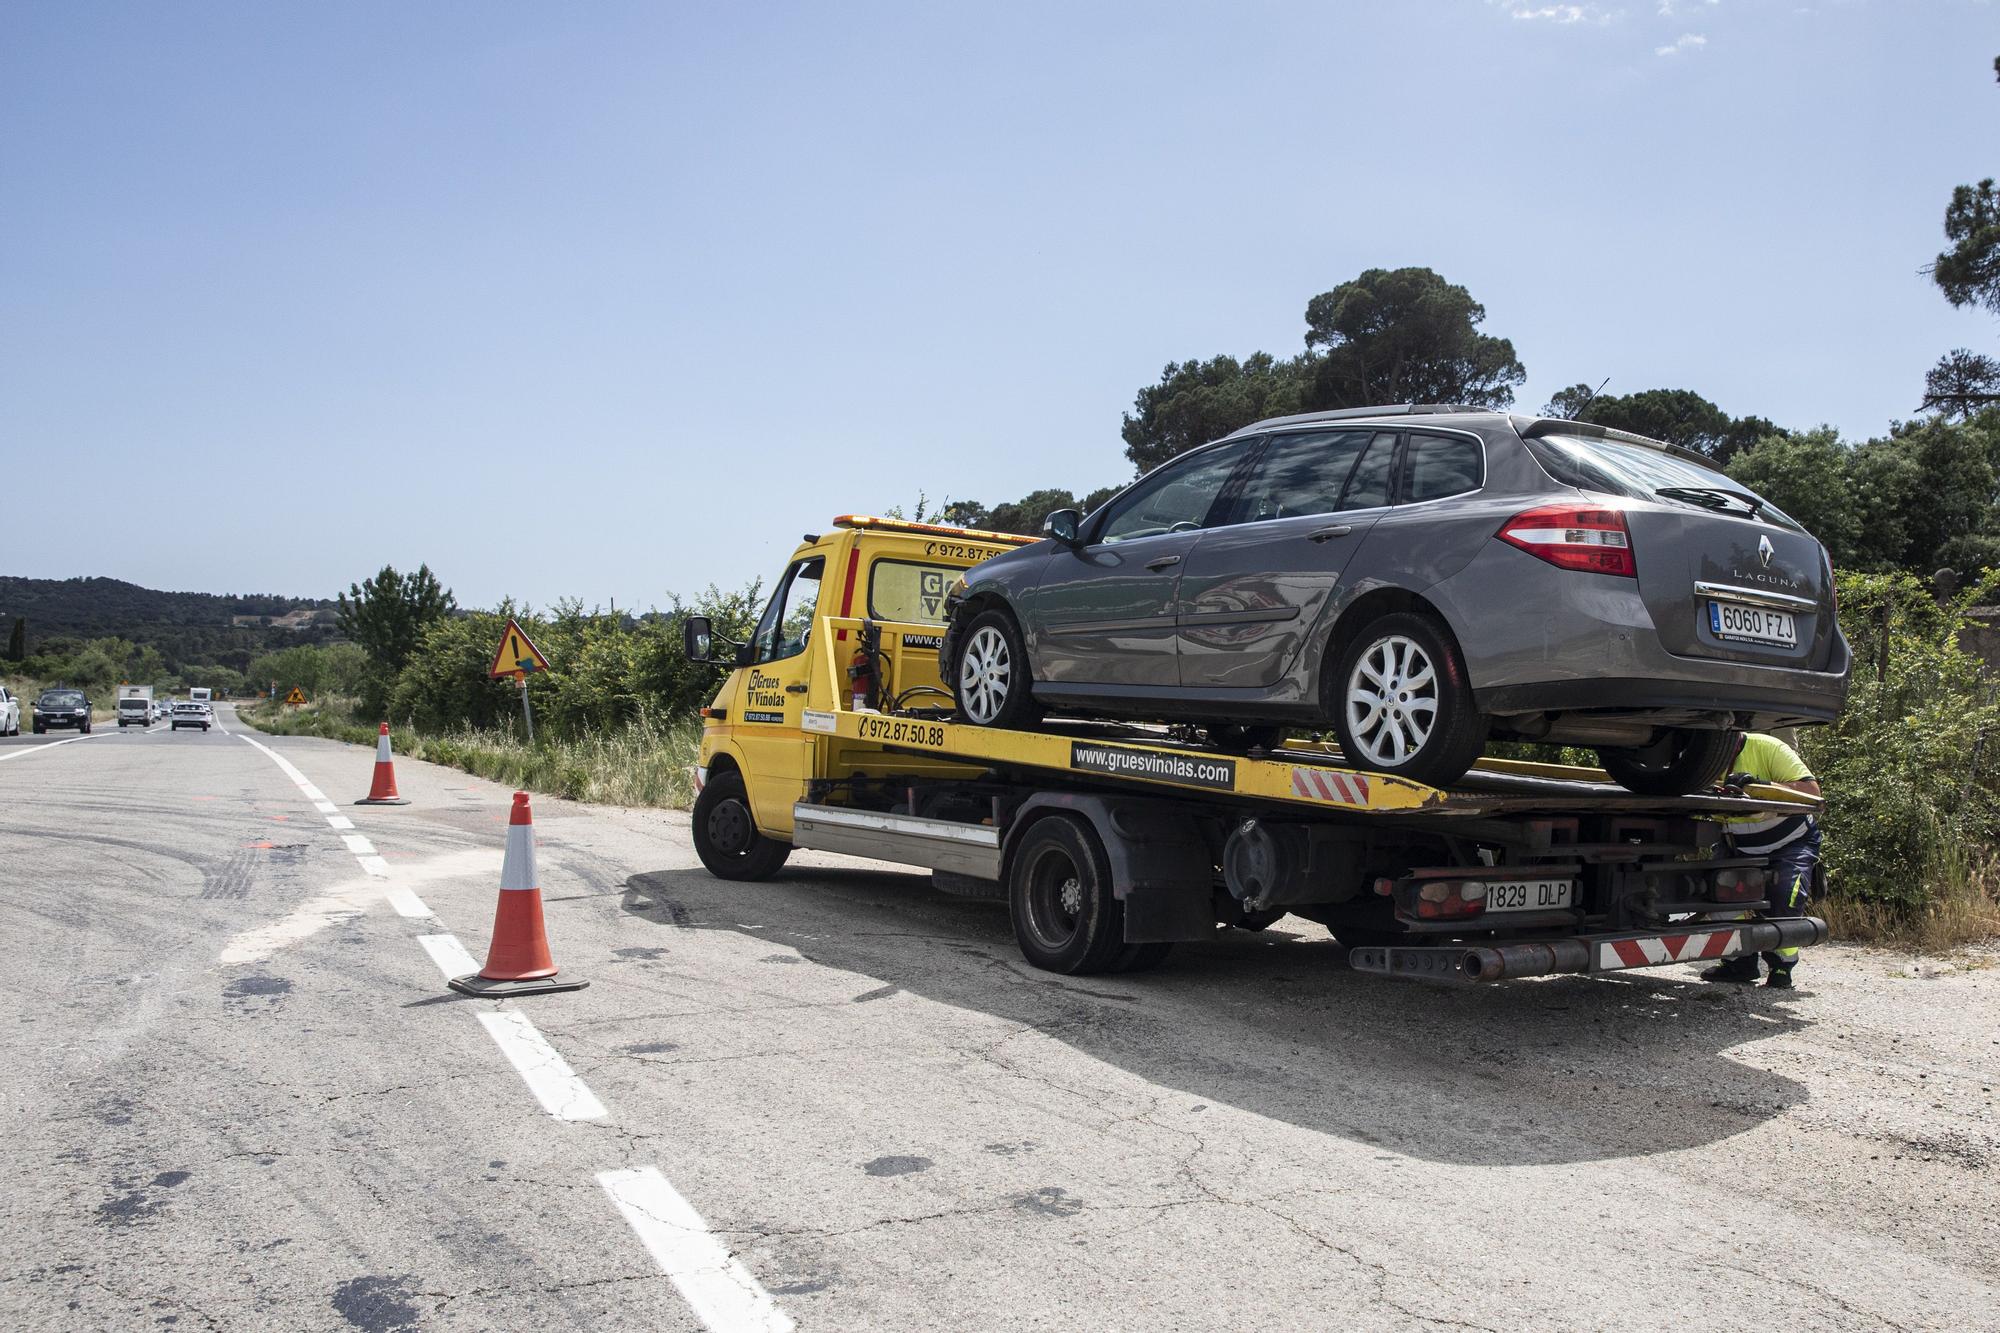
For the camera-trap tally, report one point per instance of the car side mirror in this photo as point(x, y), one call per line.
point(1061, 526)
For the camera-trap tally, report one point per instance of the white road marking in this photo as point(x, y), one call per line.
point(49, 745)
point(555, 1085)
point(448, 954)
point(726, 1296)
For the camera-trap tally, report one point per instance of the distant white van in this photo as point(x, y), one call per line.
point(200, 694)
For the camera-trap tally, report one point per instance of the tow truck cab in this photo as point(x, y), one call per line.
point(767, 721)
point(1111, 842)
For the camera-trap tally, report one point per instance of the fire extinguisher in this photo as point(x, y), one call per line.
point(862, 672)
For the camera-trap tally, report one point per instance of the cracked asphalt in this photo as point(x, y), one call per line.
point(886, 1116)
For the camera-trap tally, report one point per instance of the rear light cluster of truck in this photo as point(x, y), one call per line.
point(1448, 899)
point(1739, 884)
point(1592, 540)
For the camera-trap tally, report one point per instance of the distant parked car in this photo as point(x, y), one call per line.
point(62, 708)
point(1418, 580)
point(187, 713)
point(10, 713)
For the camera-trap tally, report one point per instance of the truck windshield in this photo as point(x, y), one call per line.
point(1636, 472)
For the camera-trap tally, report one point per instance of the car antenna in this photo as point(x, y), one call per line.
point(1576, 415)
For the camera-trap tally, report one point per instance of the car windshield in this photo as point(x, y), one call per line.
point(1636, 472)
point(62, 699)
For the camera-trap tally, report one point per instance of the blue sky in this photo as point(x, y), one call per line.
point(612, 301)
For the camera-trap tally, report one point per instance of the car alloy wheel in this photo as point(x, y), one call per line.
point(1392, 701)
point(985, 675)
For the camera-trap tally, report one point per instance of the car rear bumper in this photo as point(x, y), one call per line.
point(1768, 704)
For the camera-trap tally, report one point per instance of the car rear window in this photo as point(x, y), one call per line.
point(909, 590)
point(1442, 465)
point(1613, 467)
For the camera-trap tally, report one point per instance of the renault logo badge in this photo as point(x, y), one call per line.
point(1764, 551)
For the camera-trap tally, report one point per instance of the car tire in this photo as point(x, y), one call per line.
point(1407, 665)
point(1241, 738)
point(725, 832)
point(1682, 762)
point(990, 683)
point(1067, 917)
point(40, 729)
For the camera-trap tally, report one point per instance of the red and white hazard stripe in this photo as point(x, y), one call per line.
point(1319, 784)
point(1654, 950)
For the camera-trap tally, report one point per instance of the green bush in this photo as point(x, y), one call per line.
point(1911, 770)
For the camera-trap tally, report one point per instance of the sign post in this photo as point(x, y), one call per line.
point(518, 657)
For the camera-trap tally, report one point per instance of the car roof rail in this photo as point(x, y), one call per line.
point(1350, 413)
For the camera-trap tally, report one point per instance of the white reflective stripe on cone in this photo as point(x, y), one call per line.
point(518, 870)
point(382, 748)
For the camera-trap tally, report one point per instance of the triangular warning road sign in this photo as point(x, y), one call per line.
point(518, 655)
point(297, 696)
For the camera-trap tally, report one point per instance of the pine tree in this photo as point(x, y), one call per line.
point(17, 642)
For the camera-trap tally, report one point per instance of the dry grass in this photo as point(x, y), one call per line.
point(645, 762)
point(1964, 910)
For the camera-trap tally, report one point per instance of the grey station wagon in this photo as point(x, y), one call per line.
point(1419, 580)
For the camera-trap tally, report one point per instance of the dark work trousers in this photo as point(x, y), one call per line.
point(1790, 893)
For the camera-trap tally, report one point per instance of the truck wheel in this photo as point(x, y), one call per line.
point(1680, 762)
point(726, 837)
point(1401, 703)
point(990, 681)
point(1066, 917)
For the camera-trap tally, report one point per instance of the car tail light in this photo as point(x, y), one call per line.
point(1739, 885)
point(1447, 899)
point(1592, 540)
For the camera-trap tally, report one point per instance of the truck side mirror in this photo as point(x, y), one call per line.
point(697, 640)
point(1061, 526)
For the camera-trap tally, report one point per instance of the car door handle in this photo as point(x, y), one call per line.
point(1164, 562)
point(1328, 534)
point(795, 689)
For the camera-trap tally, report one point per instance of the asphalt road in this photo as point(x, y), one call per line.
point(239, 1096)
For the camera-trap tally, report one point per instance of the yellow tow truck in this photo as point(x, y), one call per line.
point(1111, 842)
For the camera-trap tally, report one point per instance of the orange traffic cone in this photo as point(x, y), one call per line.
point(382, 791)
point(517, 962)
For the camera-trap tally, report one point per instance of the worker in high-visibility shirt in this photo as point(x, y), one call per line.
point(1791, 841)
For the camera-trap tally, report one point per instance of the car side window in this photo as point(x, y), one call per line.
point(786, 627)
point(1178, 497)
point(1368, 488)
point(1301, 474)
point(1436, 466)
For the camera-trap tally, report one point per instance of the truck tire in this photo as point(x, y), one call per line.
point(990, 683)
point(1067, 917)
point(725, 834)
point(1400, 702)
point(1682, 762)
